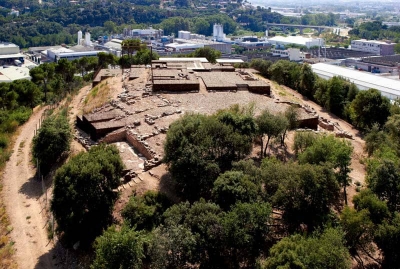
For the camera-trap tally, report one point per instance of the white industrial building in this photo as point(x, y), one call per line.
point(296, 40)
point(64, 53)
point(149, 33)
point(200, 43)
point(292, 53)
point(373, 46)
point(115, 44)
point(363, 80)
point(12, 73)
point(181, 47)
point(9, 53)
point(184, 34)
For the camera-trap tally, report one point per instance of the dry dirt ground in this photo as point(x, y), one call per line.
point(26, 204)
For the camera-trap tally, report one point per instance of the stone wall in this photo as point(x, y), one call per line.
point(116, 136)
point(323, 123)
point(311, 123)
point(187, 87)
point(139, 145)
point(260, 89)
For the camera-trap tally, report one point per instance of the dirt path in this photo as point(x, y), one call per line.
point(25, 203)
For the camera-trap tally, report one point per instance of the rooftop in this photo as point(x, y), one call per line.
point(12, 73)
point(188, 59)
point(295, 39)
point(372, 41)
point(8, 45)
point(364, 79)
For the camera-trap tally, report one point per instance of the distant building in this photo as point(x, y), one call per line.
point(149, 33)
point(9, 53)
point(200, 43)
point(14, 12)
point(12, 73)
point(296, 40)
point(291, 53)
point(373, 46)
point(184, 34)
point(391, 23)
point(69, 54)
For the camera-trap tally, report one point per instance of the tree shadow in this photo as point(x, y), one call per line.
point(62, 258)
point(32, 188)
point(168, 187)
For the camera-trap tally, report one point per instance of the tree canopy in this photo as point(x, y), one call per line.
point(52, 140)
point(83, 195)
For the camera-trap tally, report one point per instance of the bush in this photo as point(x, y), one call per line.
point(51, 141)
point(84, 196)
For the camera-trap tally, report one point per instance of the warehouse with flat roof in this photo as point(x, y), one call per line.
point(12, 73)
point(363, 80)
point(297, 40)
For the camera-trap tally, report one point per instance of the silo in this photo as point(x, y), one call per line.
point(87, 39)
point(79, 37)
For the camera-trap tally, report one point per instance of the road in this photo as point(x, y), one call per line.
point(25, 203)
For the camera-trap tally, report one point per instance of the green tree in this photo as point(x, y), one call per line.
point(105, 59)
point(84, 196)
point(328, 149)
point(172, 247)
point(305, 194)
point(292, 118)
point(26, 93)
point(397, 48)
point(43, 74)
point(144, 212)
point(130, 46)
point(199, 147)
point(232, 187)
point(307, 81)
point(209, 53)
point(325, 250)
point(110, 27)
point(246, 231)
point(303, 140)
point(370, 107)
point(393, 127)
point(387, 237)
point(270, 126)
point(122, 249)
point(52, 140)
point(376, 139)
point(384, 181)
point(204, 221)
point(359, 233)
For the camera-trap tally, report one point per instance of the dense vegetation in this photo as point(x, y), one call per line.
point(377, 31)
point(52, 141)
point(54, 23)
point(361, 108)
point(231, 211)
point(84, 196)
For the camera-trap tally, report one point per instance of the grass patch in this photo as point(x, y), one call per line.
point(97, 97)
point(6, 245)
point(50, 233)
point(22, 144)
point(282, 93)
